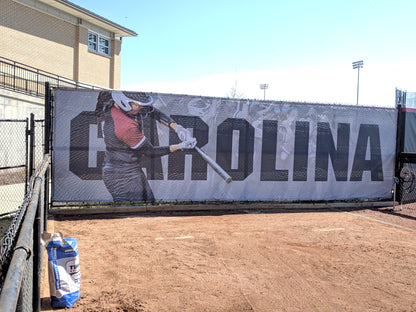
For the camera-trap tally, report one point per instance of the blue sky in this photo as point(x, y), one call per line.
point(303, 49)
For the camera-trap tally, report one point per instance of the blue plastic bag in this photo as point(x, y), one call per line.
point(64, 271)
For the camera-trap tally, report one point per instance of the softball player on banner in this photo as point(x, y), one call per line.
point(121, 115)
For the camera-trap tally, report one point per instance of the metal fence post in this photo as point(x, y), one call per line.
point(31, 134)
point(27, 175)
point(47, 143)
point(48, 110)
point(37, 259)
point(401, 121)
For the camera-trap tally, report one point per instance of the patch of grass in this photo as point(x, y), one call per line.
point(4, 224)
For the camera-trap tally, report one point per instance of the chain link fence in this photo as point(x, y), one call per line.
point(17, 138)
point(20, 249)
point(26, 296)
point(405, 189)
point(9, 240)
point(405, 176)
point(38, 148)
point(21, 151)
point(13, 164)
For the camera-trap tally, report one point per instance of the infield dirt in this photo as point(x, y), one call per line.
point(260, 260)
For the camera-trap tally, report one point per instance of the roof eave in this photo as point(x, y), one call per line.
point(84, 14)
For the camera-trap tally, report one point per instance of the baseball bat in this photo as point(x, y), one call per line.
point(222, 173)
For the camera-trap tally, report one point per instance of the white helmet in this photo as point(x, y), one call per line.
point(123, 99)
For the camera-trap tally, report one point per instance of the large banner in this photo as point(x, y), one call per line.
point(127, 144)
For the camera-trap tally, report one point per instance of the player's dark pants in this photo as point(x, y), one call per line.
point(126, 182)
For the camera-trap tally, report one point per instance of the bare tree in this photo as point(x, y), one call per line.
point(234, 93)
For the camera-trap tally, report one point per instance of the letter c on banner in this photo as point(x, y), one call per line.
point(79, 148)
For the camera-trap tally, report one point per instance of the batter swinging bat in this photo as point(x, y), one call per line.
point(214, 165)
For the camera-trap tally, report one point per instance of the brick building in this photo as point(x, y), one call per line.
point(62, 38)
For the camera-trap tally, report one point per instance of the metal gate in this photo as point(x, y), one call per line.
point(405, 175)
point(18, 158)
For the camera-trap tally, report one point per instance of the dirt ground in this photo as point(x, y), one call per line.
point(253, 260)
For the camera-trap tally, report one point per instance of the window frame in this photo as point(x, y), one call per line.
point(97, 46)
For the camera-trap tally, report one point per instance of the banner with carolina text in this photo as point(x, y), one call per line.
point(271, 150)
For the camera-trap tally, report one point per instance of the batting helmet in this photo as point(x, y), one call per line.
point(123, 99)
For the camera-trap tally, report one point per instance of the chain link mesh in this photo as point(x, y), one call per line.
point(20, 162)
point(406, 189)
point(13, 162)
point(8, 241)
point(25, 301)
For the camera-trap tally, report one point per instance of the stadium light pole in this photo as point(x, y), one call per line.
point(263, 87)
point(358, 65)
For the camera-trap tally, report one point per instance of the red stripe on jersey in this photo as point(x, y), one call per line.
point(126, 129)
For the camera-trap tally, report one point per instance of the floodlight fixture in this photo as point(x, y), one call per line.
point(358, 64)
point(263, 87)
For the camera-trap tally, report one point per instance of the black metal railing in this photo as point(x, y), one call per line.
point(22, 78)
point(20, 290)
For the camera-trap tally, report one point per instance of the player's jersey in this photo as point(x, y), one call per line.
point(124, 132)
point(124, 139)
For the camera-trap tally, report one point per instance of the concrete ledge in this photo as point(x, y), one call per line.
point(219, 206)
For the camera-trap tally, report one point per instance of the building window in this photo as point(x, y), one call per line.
point(98, 43)
point(92, 42)
point(104, 46)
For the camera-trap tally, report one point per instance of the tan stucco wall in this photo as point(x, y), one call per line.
point(54, 45)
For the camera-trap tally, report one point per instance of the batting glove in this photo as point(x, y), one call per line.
point(183, 134)
point(189, 144)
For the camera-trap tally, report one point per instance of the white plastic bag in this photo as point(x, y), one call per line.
point(64, 270)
